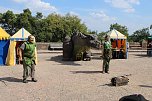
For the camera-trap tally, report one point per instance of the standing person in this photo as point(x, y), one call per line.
point(127, 46)
point(106, 54)
point(19, 55)
point(28, 50)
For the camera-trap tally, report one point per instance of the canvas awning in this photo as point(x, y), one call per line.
point(114, 34)
point(21, 35)
point(3, 34)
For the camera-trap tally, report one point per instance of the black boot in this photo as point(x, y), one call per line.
point(25, 81)
point(34, 80)
point(107, 72)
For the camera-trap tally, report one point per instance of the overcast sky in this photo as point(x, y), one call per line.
point(96, 14)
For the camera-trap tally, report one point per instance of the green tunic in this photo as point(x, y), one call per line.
point(29, 53)
point(107, 49)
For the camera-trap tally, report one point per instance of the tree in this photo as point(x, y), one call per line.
point(120, 28)
point(73, 23)
point(39, 15)
point(61, 26)
point(8, 20)
point(150, 26)
point(100, 36)
point(24, 20)
point(1, 16)
point(140, 35)
point(28, 12)
point(53, 28)
point(92, 32)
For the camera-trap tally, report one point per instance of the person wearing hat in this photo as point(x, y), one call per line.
point(28, 51)
point(106, 54)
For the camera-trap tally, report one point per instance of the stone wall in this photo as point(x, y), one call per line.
point(42, 46)
point(138, 46)
point(47, 46)
point(132, 45)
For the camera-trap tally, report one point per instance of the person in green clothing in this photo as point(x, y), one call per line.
point(28, 51)
point(106, 54)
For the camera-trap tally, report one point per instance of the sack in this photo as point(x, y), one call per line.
point(134, 97)
point(119, 81)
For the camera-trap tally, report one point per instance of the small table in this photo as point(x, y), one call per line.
point(118, 54)
point(115, 54)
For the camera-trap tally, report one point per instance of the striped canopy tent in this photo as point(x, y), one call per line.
point(15, 42)
point(118, 40)
point(114, 34)
point(4, 44)
point(21, 35)
point(3, 34)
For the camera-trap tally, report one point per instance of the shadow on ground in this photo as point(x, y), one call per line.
point(86, 72)
point(147, 86)
point(59, 60)
point(96, 57)
point(110, 85)
point(10, 79)
point(141, 55)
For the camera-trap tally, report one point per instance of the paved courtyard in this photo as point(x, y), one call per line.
point(77, 81)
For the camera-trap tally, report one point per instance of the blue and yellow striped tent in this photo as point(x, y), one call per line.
point(4, 44)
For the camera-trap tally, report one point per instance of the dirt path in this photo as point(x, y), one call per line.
point(77, 81)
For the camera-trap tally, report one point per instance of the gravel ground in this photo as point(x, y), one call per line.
point(77, 81)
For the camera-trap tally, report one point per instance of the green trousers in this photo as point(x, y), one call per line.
point(106, 61)
point(28, 70)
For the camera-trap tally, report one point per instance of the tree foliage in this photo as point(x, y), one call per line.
point(7, 21)
point(100, 36)
point(120, 28)
point(52, 28)
point(140, 35)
